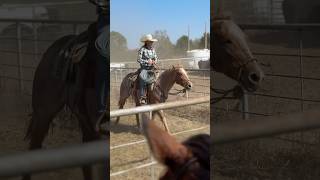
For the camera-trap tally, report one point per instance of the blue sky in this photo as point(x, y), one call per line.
point(133, 18)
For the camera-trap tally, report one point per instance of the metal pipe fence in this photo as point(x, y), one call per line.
point(20, 50)
point(52, 159)
point(150, 109)
point(157, 107)
point(291, 27)
point(301, 76)
point(269, 126)
point(199, 77)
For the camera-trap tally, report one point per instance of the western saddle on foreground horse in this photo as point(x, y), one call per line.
point(65, 77)
point(159, 92)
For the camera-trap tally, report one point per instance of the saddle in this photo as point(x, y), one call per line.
point(149, 76)
point(71, 53)
point(77, 48)
point(133, 78)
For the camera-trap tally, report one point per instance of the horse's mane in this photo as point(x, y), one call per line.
point(200, 147)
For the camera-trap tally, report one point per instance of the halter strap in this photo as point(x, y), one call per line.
point(185, 167)
point(243, 66)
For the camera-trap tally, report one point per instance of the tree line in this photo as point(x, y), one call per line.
point(165, 48)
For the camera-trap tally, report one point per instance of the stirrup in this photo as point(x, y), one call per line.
point(143, 100)
point(151, 86)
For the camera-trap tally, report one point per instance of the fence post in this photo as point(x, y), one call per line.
point(116, 75)
point(245, 106)
point(151, 157)
point(301, 80)
point(301, 71)
point(35, 41)
point(19, 56)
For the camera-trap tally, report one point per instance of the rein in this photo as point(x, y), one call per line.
point(185, 167)
point(243, 66)
point(236, 91)
point(179, 91)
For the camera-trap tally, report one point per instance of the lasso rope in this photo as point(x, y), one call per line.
point(102, 43)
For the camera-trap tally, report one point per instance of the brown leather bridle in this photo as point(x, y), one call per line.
point(181, 171)
point(244, 65)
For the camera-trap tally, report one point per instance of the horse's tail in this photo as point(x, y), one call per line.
point(126, 88)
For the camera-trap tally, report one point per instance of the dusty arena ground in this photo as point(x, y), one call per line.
point(179, 119)
point(15, 112)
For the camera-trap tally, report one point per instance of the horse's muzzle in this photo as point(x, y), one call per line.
point(188, 86)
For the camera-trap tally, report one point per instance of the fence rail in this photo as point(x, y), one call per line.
point(53, 159)
point(151, 108)
point(286, 27)
point(157, 107)
point(292, 27)
point(269, 126)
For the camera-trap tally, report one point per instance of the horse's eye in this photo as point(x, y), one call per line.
point(228, 41)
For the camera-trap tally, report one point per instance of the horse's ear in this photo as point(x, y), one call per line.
point(165, 148)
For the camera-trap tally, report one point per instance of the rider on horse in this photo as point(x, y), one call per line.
point(147, 58)
point(102, 43)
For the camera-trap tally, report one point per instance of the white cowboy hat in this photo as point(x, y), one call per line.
point(148, 37)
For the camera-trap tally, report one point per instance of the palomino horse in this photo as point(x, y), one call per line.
point(160, 92)
point(50, 94)
point(189, 160)
point(232, 55)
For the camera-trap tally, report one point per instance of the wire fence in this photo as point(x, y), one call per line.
point(200, 78)
point(22, 44)
point(201, 84)
point(53, 159)
point(291, 64)
point(262, 11)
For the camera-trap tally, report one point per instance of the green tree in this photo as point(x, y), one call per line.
point(182, 44)
point(164, 47)
point(118, 41)
point(118, 46)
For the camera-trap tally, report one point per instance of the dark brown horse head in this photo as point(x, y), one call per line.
point(184, 161)
point(181, 77)
point(232, 55)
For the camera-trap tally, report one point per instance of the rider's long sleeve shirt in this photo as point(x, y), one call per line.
point(145, 54)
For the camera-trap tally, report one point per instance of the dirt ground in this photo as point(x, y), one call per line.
point(14, 120)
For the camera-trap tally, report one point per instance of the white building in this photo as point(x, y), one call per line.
point(197, 55)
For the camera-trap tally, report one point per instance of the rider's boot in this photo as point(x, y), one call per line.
point(143, 100)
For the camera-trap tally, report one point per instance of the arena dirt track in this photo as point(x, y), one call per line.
point(13, 124)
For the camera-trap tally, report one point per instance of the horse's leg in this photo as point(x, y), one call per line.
point(163, 120)
point(122, 102)
point(88, 132)
point(39, 127)
point(138, 121)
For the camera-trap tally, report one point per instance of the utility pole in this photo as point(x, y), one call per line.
point(205, 36)
point(188, 38)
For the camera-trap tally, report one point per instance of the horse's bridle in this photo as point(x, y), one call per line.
point(179, 173)
point(244, 65)
point(235, 90)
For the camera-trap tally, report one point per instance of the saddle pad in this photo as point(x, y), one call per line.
point(148, 76)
